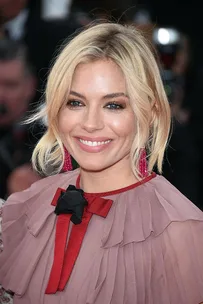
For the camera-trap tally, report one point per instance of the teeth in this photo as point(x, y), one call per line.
point(94, 143)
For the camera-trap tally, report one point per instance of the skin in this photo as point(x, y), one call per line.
point(16, 90)
point(98, 109)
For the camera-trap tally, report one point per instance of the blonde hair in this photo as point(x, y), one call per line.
point(128, 48)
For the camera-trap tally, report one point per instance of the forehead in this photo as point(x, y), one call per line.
point(11, 68)
point(101, 74)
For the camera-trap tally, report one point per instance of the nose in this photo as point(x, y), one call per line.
point(93, 120)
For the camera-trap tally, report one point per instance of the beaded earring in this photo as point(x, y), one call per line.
point(67, 166)
point(143, 167)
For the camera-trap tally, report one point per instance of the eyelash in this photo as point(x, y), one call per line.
point(72, 103)
point(116, 106)
point(111, 105)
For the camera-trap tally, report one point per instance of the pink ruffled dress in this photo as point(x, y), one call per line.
point(148, 250)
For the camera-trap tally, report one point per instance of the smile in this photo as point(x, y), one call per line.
point(94, 143)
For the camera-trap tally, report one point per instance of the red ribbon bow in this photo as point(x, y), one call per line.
point(65, 258)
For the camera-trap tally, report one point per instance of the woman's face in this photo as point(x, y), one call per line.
point(97, 124)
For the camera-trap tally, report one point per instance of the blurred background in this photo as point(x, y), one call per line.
point(31, 34)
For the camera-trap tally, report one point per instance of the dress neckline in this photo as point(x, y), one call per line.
point(117, 191)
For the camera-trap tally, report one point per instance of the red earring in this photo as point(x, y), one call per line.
point(67, 166)
point(143, 168)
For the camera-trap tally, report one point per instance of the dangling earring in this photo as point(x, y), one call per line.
point(143, 167)
point(67, 166)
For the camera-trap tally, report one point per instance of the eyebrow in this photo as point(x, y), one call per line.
point(112, 95)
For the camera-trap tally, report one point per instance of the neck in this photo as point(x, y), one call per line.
point(115, 177)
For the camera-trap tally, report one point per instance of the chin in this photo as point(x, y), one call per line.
point(93, 167)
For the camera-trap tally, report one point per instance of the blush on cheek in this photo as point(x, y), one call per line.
point(68, 120)
point(63, 122)
point(124, 126)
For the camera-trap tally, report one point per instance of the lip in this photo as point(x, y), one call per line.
point(93, 149)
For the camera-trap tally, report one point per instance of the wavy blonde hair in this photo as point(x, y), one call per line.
point(127, 47)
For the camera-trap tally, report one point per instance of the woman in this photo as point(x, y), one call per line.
point(109, 231)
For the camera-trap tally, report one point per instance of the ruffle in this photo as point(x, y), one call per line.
point(148, 250)
point(154, 249)
point(167, 269)
point(28, 223)
point(145, 210)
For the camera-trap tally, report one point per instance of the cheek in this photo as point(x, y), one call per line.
point(66, 121)
point(124, 126)
point(62, 125)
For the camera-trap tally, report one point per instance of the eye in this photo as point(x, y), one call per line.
point(72, 103)
point(115, 106)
